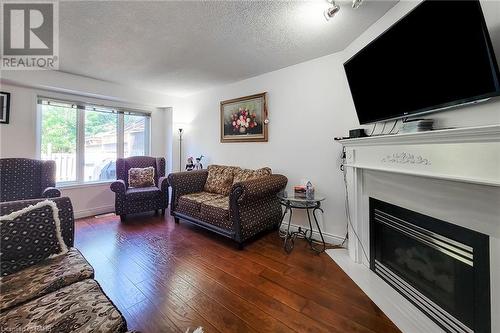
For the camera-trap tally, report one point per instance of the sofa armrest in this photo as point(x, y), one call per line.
point(51, 192)
point(254, 189)
point(65, 214)
point(163, 184)
point(186, 182)
point(118, 186)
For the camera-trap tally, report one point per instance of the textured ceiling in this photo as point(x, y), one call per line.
point(180, 47)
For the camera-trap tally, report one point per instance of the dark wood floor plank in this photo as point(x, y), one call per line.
point(172, 307)
point(168, 277)
point(292, 318)
point(146, 317)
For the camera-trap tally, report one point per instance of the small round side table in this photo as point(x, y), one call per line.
point(294, 202)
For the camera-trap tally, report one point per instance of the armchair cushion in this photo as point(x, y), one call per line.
point(220, 178)
point(65, 214)
point(29, 236)
point(43, 278)
point(246, 174)
point(142, 193)
point(141, 177)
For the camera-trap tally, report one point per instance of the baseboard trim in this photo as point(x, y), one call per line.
point(94, 211)
point(329, 238)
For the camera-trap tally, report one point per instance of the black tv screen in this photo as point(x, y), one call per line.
point(439, 55)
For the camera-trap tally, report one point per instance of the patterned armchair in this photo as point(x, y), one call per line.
point(141, 199)
point(57, 294)
point(234, 202)
point(24, 178)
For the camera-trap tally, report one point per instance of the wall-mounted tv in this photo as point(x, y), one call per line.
point(438, 56)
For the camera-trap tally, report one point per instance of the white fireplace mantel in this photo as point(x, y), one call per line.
point(463, 154)
point(450, 174)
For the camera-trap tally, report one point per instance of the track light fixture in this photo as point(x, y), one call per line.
point(356, 3)
point(331, 11)
point(334, 9)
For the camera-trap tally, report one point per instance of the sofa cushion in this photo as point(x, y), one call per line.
point(141, 193)
point(220, 179)
point(189, 204)
point(30, 235)
point(43, 278)
point(246, 174)
point(141, 177)
point(216, 212)
point(80, 307)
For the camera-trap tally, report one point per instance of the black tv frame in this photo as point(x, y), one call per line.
point(450, 105)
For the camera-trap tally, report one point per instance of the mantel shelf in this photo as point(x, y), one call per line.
point(490, 133)
point(470, 155)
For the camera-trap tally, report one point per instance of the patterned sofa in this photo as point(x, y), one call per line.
point(57, 294)
point(234, 202)
point(142, 199)
point(24, 178)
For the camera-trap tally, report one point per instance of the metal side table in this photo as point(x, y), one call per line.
point(293, 202)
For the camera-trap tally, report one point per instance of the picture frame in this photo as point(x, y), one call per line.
point(244, 119)
point(4, 107)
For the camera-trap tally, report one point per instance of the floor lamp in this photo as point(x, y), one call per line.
point(180, 149)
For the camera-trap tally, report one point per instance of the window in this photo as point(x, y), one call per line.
point(85, 140)
point(58, 142)
point(101, 143)
point(135, 139)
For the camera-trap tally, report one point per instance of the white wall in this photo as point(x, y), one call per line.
point(309, 104)
point(19, 137)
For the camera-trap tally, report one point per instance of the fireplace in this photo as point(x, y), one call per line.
point(441, 268)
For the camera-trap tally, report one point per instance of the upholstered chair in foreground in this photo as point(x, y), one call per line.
point(128, 199)
point(24, 178)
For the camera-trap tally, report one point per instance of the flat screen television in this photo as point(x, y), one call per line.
point(438, 56)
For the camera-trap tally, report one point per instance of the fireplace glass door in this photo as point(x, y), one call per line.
point(434, 264)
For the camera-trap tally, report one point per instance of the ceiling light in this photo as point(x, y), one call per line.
point(356, 3)
point(330, 12)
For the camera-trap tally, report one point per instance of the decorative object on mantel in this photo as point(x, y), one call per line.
point(244, 119)
point(5, 107)
point(406, 158)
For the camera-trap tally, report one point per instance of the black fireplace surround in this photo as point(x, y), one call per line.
point(441, 268)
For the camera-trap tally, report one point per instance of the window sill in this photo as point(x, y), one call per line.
point(69, 186)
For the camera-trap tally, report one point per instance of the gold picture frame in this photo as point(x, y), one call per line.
point(244, 119)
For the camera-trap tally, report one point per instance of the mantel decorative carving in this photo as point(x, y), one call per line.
point(406, 158)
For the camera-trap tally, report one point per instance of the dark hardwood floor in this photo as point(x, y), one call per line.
point(167, 277)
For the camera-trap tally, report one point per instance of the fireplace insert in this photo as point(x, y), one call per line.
point(441, 268)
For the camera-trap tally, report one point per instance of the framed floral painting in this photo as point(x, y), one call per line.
point(244, 119)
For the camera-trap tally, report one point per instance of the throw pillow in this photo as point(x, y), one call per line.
point(220, 179)
point(29, 236)
point(141, 177)
point(247, 174)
